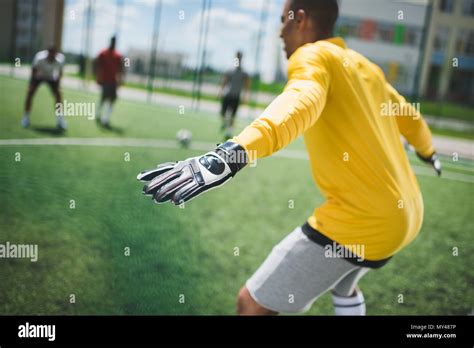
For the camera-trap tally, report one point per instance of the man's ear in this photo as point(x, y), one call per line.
point(300, 16)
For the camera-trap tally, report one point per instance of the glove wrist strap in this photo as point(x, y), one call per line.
point(427, 158)
point(234, 155)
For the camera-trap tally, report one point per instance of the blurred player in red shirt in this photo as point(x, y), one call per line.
point(108, 70)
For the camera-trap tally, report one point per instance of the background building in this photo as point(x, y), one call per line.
point(28, 26)
point(426, 48)
point(167, 64)
point(448, 64)
point(389, 33)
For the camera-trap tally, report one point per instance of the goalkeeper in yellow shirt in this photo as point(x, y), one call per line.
point(351, 120)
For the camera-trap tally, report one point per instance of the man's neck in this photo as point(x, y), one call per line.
point(324, 36)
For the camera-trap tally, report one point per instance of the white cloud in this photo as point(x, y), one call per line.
point(151, 3)
point(230, 18)
point(229, 31)
point(103, 24)
point(251, 5)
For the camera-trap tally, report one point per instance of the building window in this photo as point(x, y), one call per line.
point(353, 30)
point(367, 30)
point(412, 37)
point(348, 27)
point(441, 39)
point(468, 8)
point(465, 42)
point(385, 32)
point(446, 6)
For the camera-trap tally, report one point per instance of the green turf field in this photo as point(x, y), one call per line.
point(188, 251)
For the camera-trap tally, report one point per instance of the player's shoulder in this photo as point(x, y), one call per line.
point(311, 54)
point(305, 51)
point(320, 51)
point(229, 72)
point(60, 58)
point(41, 55)
point(239, 71)
point(358, 56)
point(361, 59)
point(102, 53)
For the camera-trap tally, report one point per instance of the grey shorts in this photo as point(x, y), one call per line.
point(297, 272)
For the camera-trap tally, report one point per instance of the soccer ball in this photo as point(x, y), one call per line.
point(184, 137)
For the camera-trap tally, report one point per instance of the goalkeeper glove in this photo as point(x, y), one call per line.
point(433, 161)
point(182, 181)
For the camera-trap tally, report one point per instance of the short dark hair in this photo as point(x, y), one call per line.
point(323, 12)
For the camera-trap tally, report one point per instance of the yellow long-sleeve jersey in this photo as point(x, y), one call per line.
point(351, 119)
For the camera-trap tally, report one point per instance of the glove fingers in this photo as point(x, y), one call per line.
point(185, 192)
point(150, 174)
point(157, 183)
point(165, 192)
point(197, 190)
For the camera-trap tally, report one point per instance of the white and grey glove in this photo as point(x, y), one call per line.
point(182, 181)
point(433, 161)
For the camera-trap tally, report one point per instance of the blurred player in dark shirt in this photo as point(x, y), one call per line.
point(233, 82)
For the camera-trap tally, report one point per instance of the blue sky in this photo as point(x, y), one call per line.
point(233, 26)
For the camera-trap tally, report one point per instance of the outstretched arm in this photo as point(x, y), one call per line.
point(287, 117)
point(293, 111)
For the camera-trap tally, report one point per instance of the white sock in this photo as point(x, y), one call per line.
point(103, 107)
point(60, 120)
point(354, 305)
point(106, 112)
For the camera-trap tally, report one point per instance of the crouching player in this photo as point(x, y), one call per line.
point(47, 67)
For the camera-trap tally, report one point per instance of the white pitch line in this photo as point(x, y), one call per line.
point(196, 146)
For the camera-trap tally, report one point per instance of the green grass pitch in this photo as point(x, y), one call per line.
point(188, 251)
